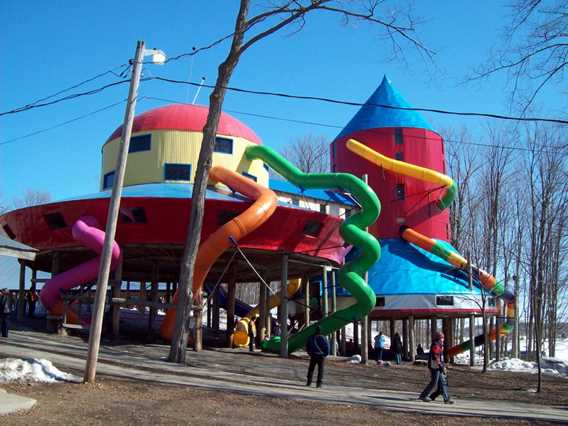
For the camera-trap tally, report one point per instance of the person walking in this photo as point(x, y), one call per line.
point(318, 349)
point(379, 346)
point(397, 348)
point(438, 374)
point(5, 309)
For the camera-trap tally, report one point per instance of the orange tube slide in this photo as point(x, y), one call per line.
point(252, 218)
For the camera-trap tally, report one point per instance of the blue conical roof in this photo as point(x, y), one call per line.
point(371, 116)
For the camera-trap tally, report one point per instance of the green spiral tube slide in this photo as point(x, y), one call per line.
point(352, 230)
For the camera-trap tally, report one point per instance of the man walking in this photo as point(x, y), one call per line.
point(438, 375)
point(318, 349)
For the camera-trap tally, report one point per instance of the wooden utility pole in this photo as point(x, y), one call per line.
point(104, 269)
point(284, 308)
point(307, 302)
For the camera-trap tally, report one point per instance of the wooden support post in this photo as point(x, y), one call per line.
point(433, 327)
point(325, 296)
point(209, 310)
point(356, 335)
point(22, 292)
point(405, 339)
point(261, 334)
point(33, 284)
point(116, 292)
point(343, 342)
point(168, 292)
point(471, 339)
point(391, 328)
point(268, 323)
point(153, 298)
point(446, 330)
point(411, 348)
point(198, 328)
point(284, 308)
point(215, 314)
point(334, 310)
point(307, 301)
point(231, 293)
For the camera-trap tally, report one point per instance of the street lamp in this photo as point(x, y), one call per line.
point(158, 57)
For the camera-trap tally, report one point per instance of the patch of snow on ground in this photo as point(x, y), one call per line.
point(550, 367)
point(32, 370)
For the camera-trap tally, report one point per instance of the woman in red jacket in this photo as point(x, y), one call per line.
point(437, 369)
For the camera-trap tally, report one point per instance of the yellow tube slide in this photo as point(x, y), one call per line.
point(241, 338)
point(237, 228)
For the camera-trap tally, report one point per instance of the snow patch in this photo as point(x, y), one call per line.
point(32, 370)
point(549, 366)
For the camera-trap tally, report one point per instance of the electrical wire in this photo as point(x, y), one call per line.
point(64, 123)
point(351, 103)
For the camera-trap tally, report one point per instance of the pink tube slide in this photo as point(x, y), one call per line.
point(84, 231)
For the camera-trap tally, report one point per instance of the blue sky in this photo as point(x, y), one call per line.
point(48, 46)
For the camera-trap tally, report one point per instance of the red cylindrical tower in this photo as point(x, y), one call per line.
point(403, 135)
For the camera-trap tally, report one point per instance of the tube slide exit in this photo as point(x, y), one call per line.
point(241, 337)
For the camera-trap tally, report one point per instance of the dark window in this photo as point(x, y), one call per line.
point(177, 171)
point(140, 143)
point(491, 302)
point(54, 220)
point(399, 192)
point(226, 216)
point(398, 138)
point(445, 300)
point(399, 156)
point(252, 177)
point(108, 180)
point(380, 301)
point(295, 202)
point(133, 215)
point(9, 232)
point(224, 145)
point(312, 228)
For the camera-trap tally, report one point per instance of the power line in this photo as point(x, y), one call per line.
point(333, 126)
point(74, 86)
point(351, 103)
point(64, 123)
point(65, 98)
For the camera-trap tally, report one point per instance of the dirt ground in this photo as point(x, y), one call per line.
point(122, 402)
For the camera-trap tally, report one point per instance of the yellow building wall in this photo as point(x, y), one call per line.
point(180, 147)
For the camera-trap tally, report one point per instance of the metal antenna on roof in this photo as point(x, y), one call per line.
point(198, 90)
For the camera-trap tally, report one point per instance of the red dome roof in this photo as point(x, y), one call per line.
point(189, 118)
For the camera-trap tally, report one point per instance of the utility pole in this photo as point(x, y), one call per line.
point(516, 336)
point(104, 268)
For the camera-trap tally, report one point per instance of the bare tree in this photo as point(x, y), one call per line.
point(32, 198)
point(535, 49)
point(248, 31)
point(309, 153)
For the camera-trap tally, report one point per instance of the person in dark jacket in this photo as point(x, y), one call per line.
point(318, 349)
point(5, 309)
point(397, 347)
point(437, 369)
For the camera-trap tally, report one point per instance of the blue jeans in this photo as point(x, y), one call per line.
point(379, 354)
point(397, 357)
